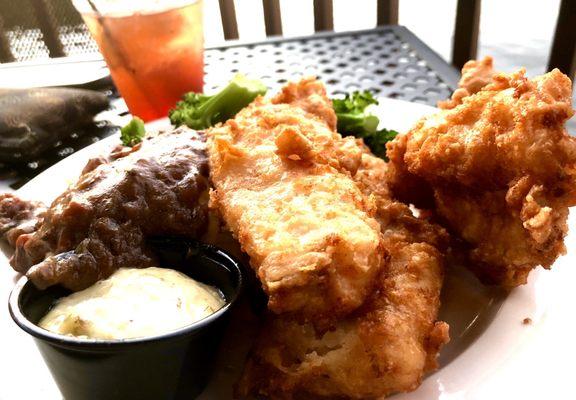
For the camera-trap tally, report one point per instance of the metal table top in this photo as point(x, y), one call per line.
point(389, 61)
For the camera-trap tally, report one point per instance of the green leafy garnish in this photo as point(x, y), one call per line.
point(133, 132)
point(200, 111)
point(377, 141)
point(354, 119)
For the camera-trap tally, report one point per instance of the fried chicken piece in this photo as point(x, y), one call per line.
point(99, 224)
point(288, 198)
point(475, 75)
point(383, 347)
point(499, 171)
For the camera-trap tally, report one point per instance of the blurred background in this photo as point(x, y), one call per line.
point(516, 32)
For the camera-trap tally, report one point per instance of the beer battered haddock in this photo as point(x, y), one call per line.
point(386, 344)
point(284, 190)
point(499, 170)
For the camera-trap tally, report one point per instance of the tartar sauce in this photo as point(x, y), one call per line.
point(133, 303)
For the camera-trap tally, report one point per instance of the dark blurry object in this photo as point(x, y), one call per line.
point(158, 187)
point(33, 120)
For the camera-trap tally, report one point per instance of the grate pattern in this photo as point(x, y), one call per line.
point(379, 61)
point(26, 40)
point(76, 40)
point(27, 44)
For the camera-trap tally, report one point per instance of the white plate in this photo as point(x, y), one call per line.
point(492, 354)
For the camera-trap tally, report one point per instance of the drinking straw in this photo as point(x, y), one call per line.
point(115, 46)
point(112, 44)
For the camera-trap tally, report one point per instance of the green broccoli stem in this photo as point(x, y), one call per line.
point(203, 111)
point(234, 97)
point(356, 124)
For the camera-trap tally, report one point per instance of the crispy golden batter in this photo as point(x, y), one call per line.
point(287, 196)
point(475, 75)
point(385, 346)
point(499, 170)
point(309, 95)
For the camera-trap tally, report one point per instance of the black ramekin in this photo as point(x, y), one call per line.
point(173, 365)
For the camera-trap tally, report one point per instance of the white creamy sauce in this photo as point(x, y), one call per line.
point(133, 303)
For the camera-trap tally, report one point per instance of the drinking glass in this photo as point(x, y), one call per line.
point(153, 48)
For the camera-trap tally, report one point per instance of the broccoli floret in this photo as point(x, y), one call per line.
point(133, 132)
point(200, 111)
point(377, 141)
point(355, 120)
point(351, 116)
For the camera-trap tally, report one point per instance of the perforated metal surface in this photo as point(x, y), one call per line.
point(382, 61)
point(76, 40)
point(25, 38)
point(28, 44)
point(389, 61)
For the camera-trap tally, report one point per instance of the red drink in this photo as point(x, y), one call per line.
point(154, 57)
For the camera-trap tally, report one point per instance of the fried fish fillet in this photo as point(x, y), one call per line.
point(383, 347)
point(388, 343)
point(499, 171)
point(287, 196)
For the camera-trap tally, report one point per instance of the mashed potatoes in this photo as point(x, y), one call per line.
point(133, 303)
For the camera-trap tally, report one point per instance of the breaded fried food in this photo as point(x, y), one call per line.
point(389, 342)
point(285, 193)
point(385, 346)
point(475, 75)
point(499, 171)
